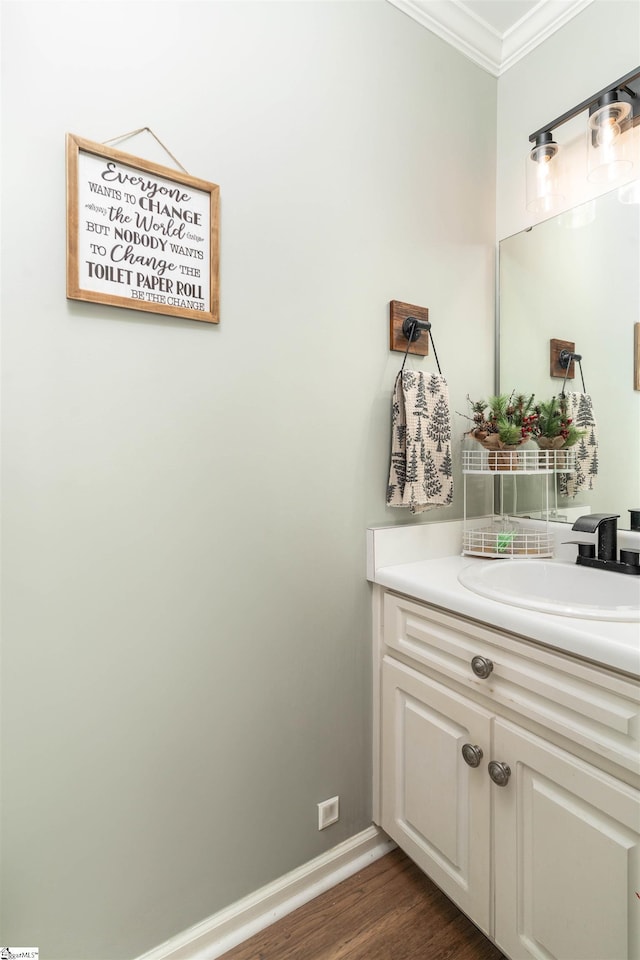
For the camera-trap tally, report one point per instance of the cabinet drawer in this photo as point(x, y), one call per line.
point(587, 705)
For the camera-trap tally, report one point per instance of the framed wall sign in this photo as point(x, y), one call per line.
point(140, 235)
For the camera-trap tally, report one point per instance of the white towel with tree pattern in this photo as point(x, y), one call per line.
point(421, 472)
point(580, 411)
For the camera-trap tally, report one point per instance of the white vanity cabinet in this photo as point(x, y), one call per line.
point(544, 857)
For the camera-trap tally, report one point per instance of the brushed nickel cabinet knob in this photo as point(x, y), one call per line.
point(472, 754)
point(499, 772)
point(482, 667)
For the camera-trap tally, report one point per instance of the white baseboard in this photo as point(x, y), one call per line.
point(226, 929)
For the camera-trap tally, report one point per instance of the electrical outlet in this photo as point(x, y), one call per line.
point(328, 812)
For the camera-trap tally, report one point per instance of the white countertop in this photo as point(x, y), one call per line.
point(612, 644)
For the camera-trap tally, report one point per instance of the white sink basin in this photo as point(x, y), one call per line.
point(556, 587)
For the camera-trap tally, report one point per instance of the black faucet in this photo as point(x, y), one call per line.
point(605, 524)
point(607, 528)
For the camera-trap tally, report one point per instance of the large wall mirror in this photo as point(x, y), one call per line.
point(576, 277)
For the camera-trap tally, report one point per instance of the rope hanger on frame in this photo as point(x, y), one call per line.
point(134, 133)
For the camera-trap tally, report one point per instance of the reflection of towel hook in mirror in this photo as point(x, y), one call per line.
point(565, 357)
point(412, 329)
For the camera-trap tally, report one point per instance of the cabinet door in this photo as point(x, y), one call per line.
point(567, 855)
point(434, 805)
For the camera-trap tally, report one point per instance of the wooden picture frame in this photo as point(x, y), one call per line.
point(140, 235)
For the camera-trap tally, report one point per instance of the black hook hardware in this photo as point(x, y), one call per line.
point(564, 360)
point(565, 357)
point(412, 329)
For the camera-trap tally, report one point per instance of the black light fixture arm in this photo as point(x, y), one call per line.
point(629, 84)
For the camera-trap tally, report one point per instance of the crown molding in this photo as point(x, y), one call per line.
point(536, 27)
point(476, 39)
point(453, 23)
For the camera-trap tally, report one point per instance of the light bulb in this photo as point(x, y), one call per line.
point(607, 145)
point(608, 132)
point(543, 193)
point(610, 113)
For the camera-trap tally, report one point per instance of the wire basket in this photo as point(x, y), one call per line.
point(519, 543)
point(533, 460)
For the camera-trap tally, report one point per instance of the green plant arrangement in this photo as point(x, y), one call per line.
point(503, 420)
point(554, 430)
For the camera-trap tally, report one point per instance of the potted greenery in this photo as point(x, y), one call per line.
point(501, 424)
point(554, 430)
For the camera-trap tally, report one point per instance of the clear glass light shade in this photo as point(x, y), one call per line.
point(544, 191)
point(609, 146)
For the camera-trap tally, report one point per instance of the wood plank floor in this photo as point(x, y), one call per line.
point(388, 911)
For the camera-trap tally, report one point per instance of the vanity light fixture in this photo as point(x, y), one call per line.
point(543, 175)
point(612, 113)
point(608, 151)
